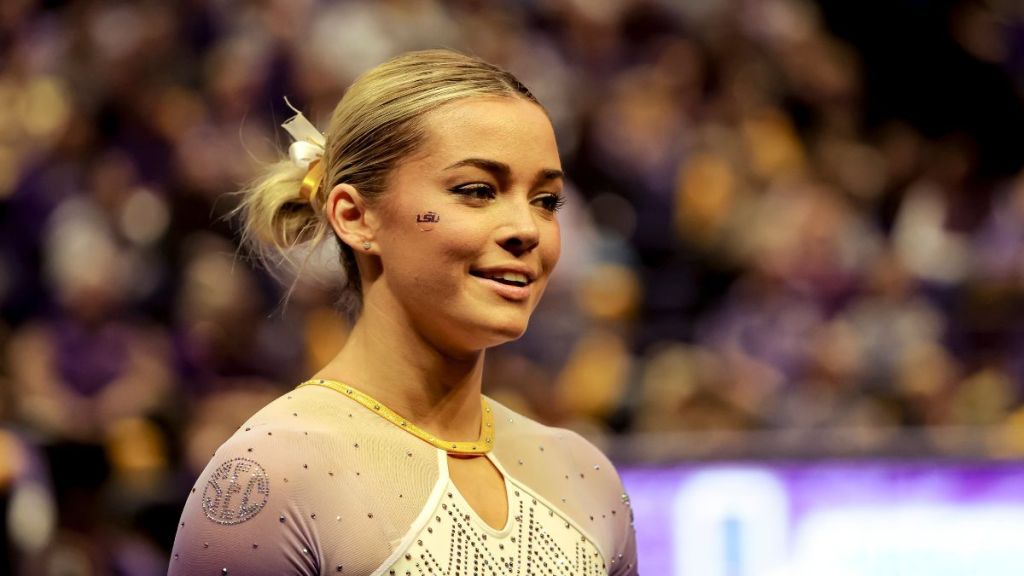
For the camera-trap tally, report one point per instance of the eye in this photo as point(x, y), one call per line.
point(550, 202)
point(476, 190)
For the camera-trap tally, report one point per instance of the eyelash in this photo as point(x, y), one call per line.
point(477, 191)
point(550, 202)
point(553, 202)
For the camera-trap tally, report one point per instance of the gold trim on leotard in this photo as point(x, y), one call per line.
point(481, 445)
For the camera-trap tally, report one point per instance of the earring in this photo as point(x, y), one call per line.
point(366, 245)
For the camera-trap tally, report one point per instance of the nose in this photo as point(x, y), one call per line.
point(519, 233)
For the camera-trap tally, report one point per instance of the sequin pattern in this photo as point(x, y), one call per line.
point(537, 540)
point(236, 491)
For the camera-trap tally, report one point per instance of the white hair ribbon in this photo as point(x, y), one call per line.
point(306, 151)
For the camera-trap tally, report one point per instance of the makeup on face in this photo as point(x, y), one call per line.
point(490, 206)
point(502, 174)
point(426, 220)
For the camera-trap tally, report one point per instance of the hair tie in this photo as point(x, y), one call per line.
point(306, 152)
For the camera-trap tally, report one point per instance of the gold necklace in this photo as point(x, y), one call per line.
point(482, 445)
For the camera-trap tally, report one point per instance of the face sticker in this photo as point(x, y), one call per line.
point(237, 491)
point(427, 220)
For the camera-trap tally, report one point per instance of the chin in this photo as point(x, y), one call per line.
point(497, 333)
point(473, 334)
point(510, 333)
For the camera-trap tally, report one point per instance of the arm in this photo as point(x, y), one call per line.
point(620, 533)
point(244, 517)
point(625, 562)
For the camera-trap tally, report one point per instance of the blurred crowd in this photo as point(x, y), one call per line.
point(784, 216)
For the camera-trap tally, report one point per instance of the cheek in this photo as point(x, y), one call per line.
point(454, 240)
point(438, 255)
point(551, 246)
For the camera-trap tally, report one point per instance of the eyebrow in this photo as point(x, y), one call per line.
point(550, 174)
point(502, 171)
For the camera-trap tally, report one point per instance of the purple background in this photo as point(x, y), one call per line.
point(821, 485)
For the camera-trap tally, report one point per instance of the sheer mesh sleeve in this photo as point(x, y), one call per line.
point(608, 488)
point(312, 484)
point(243, 516)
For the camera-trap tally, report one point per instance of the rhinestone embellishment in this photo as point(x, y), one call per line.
point(536, 540)
point(236, 491)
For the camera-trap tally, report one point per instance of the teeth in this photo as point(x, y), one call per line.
point(510, 277)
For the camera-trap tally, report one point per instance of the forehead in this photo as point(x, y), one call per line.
point(508, 129)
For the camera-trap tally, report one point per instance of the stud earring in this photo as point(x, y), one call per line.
point(366, 245)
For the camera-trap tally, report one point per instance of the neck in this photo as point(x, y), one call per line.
point(389, 361)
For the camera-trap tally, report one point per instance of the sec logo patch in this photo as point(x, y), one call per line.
point(236, 491)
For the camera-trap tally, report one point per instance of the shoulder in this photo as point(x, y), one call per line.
point(281, 495)
point(558, 451)
point(564, 441)
point(272, 453)
point(286, 428)
point(305, 429)
point(245, 512)
point(303, 408)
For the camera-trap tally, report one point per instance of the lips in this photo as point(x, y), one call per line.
point(510, 282)
point(510, 278)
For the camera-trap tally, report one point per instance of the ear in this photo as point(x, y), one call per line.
point(346, 210)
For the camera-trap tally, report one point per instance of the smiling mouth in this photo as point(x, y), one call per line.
point(507, 278)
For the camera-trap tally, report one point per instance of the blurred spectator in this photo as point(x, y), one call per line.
point(789, 219)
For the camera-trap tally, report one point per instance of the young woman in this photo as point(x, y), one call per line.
point(440, 178)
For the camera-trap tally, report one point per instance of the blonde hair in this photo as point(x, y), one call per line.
point(375, 125)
